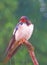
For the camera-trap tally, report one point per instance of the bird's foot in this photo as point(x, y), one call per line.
point(22, 40)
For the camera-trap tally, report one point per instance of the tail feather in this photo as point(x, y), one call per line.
point(11, 52)
point(12, 40)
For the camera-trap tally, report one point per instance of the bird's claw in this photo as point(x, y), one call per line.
point(22, 40)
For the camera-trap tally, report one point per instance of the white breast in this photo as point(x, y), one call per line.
point(24, 31)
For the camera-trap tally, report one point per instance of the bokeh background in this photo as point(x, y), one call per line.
point(10, 12)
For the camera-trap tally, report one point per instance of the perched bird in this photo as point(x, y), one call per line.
point(23, 29)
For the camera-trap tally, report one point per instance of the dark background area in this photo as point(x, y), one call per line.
point(10, 12)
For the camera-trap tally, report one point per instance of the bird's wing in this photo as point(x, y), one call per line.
point(12, 40)
point(10, 44)
point(16, 28)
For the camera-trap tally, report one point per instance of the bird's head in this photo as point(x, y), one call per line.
point(24, 19)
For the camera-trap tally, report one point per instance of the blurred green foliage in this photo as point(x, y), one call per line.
point(10, 12)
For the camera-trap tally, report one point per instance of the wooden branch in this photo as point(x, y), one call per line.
point(31, 52)
point(12, 51)
point(16, 46)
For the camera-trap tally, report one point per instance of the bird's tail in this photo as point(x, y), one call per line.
point(11, 51)
point(12, 40)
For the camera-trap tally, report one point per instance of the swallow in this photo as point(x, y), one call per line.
point(23, 29)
